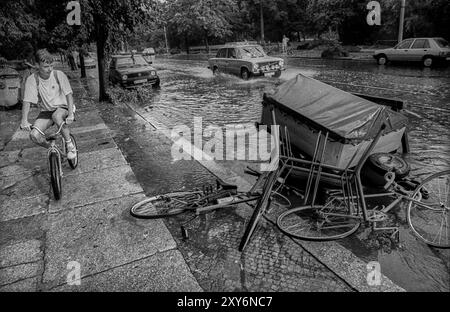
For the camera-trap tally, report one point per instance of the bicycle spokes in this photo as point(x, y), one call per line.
point(429, 216)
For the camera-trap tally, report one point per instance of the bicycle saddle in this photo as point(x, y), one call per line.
point(224, 185)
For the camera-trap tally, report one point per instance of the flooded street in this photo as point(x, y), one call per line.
point(188, 90)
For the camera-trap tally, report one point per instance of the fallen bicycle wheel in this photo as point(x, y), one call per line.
point(165, 205)
point(318, 223)
point(429, 212)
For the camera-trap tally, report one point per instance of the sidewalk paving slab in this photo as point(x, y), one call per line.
point(101, 236)
point(19, 252)
point(26, 285)
point(97, 160)
point(162, 272)
point(24, 207)
point(96, 186)
point(10, 275)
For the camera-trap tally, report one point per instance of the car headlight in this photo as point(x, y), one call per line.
point(255, 67)
point(124, 77)
point(281, 63)
point(153, 73)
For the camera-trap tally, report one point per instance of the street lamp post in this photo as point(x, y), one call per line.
point(402, 19)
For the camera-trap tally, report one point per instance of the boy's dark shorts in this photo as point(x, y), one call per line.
point(47, 114)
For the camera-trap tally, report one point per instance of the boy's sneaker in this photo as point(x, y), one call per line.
point(71, 151)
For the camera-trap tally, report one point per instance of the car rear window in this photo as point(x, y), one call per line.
point(442, 43)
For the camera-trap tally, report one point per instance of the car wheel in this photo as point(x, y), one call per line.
point(277, 74)
point(245, 74)
point(382, 60)
point(427, 61)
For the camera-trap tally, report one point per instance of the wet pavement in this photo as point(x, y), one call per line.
point(190, 90)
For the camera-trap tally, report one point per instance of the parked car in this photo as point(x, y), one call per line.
point(245, 60)
point(131, 70)
point(149, 55)
point(9, 86)
point(426, 50)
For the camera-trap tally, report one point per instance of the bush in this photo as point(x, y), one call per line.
point(352, 48)
point(175, 51)
point(334, 51)
point(143, 95)
point(304, 46)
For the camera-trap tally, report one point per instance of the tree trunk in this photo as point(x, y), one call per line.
point(101, 40)
point(206, 42)
point(262, 21)
point(83, 69)
point(186, 42)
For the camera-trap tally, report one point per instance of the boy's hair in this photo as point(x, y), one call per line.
point(43, 56)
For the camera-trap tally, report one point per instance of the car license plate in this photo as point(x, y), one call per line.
point(140, 81)
point(269, 74)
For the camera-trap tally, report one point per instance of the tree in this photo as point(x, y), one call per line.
point(108, 23)
point(210, 18)
point(19, 28)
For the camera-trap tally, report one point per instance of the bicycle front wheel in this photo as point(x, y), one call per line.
point(73, 163)
point(165, 205)
point(55, 175)
point(318, 223)
point(429, 212)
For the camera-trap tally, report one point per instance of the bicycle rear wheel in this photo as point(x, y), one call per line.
point(165, 205)
point(55, 175)
point(318, 223)
point(73, 163)
point(430, 219)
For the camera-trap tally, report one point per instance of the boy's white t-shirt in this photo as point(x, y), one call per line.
point(52, 94)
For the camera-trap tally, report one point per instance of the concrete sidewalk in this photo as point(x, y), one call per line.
point(40, 237)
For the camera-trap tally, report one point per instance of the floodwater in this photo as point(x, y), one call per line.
point(188, 90)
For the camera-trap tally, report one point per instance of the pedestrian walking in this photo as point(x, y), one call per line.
point(284, 43)
point(71, 60)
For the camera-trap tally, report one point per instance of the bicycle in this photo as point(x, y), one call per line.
point(55, 155)
point(428, 212)
point(197, 201)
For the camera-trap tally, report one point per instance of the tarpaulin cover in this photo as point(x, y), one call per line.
point(344, 115)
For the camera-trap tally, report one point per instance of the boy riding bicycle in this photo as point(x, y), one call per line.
point(51, 90)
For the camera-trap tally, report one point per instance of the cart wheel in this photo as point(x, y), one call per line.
point(430, 219)
point(379, 164)
point(315, 223)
